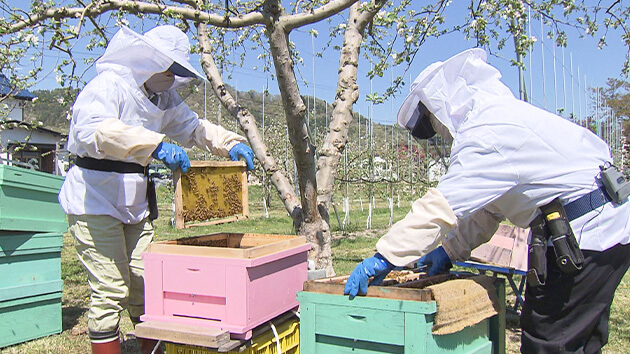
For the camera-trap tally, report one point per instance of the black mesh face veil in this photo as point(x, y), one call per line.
point(179, 70)
point(419, 124)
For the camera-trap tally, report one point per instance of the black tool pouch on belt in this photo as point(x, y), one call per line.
point(553, 225)
point(569, 257)
point(152, 199)
point(537, 250)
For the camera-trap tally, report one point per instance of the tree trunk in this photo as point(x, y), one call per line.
point(310, 222)
point(248, 124)
point(310, 215)
point(337, 137)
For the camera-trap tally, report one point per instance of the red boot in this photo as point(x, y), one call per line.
point(147, 345)
point(112, 347)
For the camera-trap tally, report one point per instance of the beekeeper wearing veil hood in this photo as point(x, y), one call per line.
point(119, 122)
point(512, 160)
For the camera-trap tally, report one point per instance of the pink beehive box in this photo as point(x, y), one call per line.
point(233, 282)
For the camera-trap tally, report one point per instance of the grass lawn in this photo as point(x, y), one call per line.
point(349, 248)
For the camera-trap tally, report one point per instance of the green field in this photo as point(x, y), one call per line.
point(349, 248)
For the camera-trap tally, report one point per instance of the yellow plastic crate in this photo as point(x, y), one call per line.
point(265, 343)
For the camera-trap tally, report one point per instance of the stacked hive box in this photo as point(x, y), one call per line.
point(234, 282)
point(388, 320)
point(31, 237)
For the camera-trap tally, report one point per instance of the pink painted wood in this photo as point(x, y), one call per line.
point(234, 294)
point(507, 248)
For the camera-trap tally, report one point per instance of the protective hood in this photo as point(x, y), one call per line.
point(453, 88)
point(137, 57)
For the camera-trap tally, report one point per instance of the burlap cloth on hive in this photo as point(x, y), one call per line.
point(463, 302)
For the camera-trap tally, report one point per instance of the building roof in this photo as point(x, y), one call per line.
point(26, 125)
point(7, 89)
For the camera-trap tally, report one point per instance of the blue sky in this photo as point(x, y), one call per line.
point(595, 67)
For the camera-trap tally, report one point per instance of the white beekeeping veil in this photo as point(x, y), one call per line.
point(451, 89)
point(138, 57)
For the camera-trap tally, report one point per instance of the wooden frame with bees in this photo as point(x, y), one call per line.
point(212, 192)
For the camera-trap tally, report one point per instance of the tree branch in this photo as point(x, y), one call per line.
point(295, 111)
point(254, 18)
point(248, 124)
point(347, 95)
point(298, 20)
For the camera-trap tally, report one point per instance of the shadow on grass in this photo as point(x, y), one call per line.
point(512, 333)
point(131, 346)
point(70, 316)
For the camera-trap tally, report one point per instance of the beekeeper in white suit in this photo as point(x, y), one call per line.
point(119, 122)
point(513, 160)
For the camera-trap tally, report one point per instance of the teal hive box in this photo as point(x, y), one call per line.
point(30, 285)
point(28, 201)
point(30, 317)
point(332, 323)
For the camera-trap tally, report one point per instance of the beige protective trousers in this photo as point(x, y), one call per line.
point(111, 252)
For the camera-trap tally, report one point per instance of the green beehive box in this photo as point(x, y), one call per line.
point(28, 201)
point(28, 260)
point(332, 323)
point(30, 317)
point(30, 285)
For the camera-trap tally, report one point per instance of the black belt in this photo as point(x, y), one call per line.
point(106, 165)
point(586, 203)
point(123, 167)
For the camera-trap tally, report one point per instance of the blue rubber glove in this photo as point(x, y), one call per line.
point(437, 260)
point(241, 150)
point(172, 156)
point(376, 266)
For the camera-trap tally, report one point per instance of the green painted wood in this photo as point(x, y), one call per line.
point(30, 269)
point(30, 264)
point(417, 330)
point(25, 291)
point(330, 344)
point(307, 327)
point(360, 324)
point(497, 323)
point(14, 243)
point(28, 201)
point(369, 302)
point(29, 318)
point(335, 324)
point(473, 339)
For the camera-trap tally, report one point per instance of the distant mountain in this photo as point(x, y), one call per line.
point(52, 108)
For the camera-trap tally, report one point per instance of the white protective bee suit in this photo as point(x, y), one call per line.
point(508, 159)
point(114, 119)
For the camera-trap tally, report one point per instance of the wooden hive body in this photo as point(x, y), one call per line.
point(389, 319)
point(230, 281)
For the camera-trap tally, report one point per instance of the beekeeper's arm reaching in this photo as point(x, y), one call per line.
point(184, 126)
point(407, 240)
point(416, 237)
point(122, 141)
point(478, 175)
